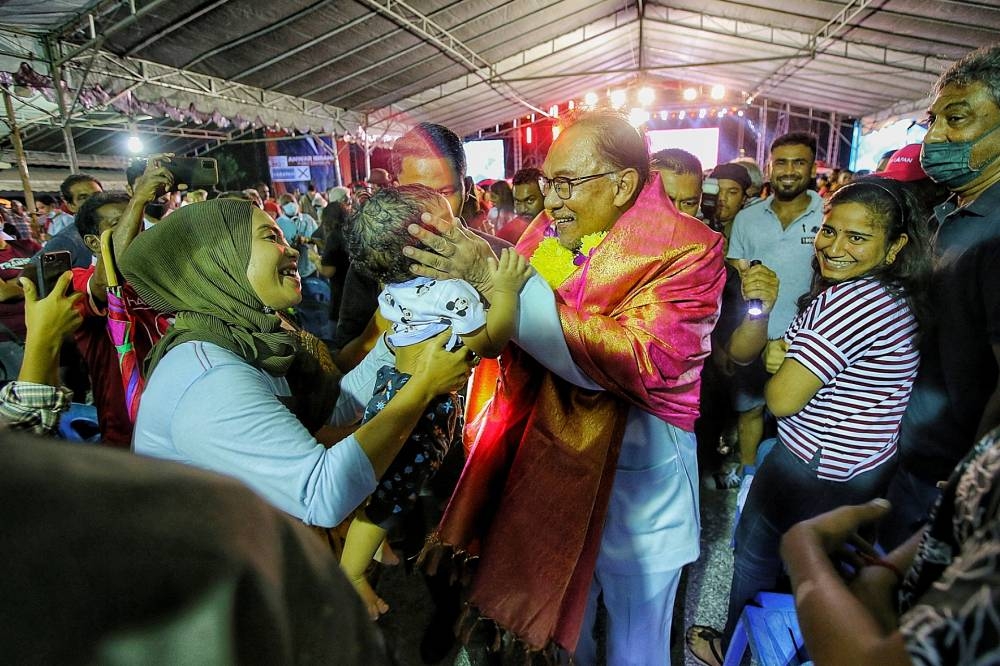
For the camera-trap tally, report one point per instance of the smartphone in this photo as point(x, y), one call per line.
point(46, 269)
point(195, 172)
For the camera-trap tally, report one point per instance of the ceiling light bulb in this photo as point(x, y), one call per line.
point(718, 91)
point(690, 94)
point(618, 98)
point(646, 95)
point(590, 99)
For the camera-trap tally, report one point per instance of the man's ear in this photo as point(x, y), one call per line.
point(93, 243)
point(628, 184)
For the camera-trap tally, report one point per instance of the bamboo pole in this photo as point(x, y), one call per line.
point(22, 162)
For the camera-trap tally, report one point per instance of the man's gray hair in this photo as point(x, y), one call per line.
point(621, 144)
point(980, 66)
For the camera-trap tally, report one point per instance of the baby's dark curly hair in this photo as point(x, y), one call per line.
point(376, 233)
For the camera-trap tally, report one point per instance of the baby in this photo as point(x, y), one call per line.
point(418, 309)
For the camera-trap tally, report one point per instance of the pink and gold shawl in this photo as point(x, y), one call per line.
point(532, 498)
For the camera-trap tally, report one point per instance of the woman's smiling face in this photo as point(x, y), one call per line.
point(850, 245)
point(273, 267)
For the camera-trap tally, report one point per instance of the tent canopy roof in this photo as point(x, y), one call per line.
point(471, 64)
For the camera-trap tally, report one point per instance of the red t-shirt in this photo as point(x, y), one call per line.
point(12, 260)
point(99, 353)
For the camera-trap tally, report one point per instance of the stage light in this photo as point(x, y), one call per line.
point(646, 95)
point(718, 91)
point(740, 113)
point(134, 144)
point(555, 132)
point(527, 135)
point(554, 110)
point(618, 98)
point(721, 114)
point(571, 105)
point(638, 116)
point(690, 94)
point(702, 113)
point(682, 115)
point(664, 115)
point(590, 99)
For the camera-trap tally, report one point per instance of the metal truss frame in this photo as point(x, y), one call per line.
point(426, 28)
point(593, 30)
point(804, 43)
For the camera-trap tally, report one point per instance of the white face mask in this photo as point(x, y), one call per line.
point(290, 209)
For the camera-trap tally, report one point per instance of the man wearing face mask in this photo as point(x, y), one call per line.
point(298, 228)
point(956, 398)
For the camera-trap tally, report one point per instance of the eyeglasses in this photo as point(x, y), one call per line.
point(564, 185)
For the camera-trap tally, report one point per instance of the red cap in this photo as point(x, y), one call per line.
point(904, 165)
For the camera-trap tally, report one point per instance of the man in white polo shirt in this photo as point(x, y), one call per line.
point(779, 232)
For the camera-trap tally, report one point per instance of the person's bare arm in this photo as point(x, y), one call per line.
point(791, 388)
point(511, 273)
point(351, 354)
point(838, 628)
point(876, 587)
point(153, 182)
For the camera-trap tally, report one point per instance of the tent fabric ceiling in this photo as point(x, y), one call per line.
point(471, 64)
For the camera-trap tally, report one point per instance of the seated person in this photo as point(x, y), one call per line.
point(118, 559)
point(218, 390)
point(418, 309)
point(932, 600)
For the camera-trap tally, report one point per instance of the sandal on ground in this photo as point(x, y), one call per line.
point(700, 637)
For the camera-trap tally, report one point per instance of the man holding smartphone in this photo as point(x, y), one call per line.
point(124, 215)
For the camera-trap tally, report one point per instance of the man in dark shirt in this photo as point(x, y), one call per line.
point(76, 189)
point(956, 399)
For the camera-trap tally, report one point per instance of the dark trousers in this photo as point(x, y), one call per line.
point(785, 491)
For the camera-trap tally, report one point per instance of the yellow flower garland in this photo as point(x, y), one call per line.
point(555, 263)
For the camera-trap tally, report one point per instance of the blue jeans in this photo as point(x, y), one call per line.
point(785, 491)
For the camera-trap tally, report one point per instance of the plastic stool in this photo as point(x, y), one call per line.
point(771, 629)
point(79, 424)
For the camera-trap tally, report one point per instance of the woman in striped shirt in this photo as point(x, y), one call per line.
point(842, 377)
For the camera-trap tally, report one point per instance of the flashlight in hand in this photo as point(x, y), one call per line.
point(755, 307)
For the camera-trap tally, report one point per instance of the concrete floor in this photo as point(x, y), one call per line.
point(702, 597)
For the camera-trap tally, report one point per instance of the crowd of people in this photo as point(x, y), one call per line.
point(522, 384)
